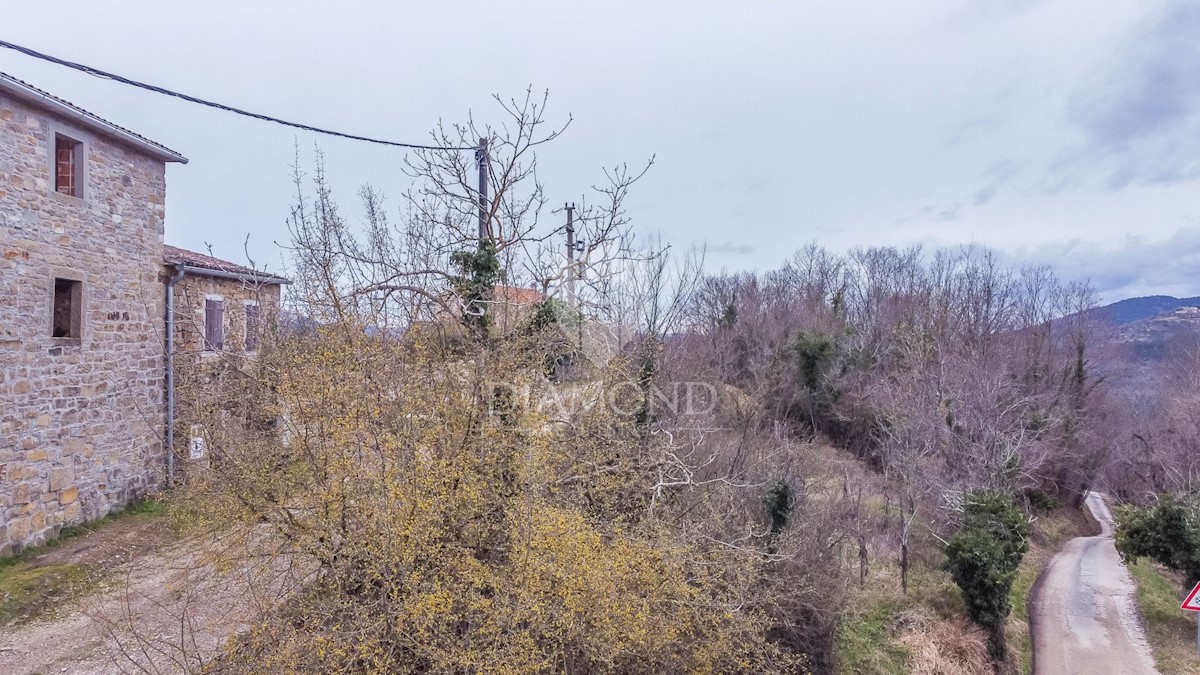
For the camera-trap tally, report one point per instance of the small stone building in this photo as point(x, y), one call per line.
point(508, 308)
point(84, 281)
point(222, 314)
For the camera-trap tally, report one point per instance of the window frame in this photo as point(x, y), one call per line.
point(246, 332)
point(76, 307)
point(79, 169)
point(208, 344)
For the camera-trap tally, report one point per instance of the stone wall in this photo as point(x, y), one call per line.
point(212, 384)
point(81, 420)
point(190, 294)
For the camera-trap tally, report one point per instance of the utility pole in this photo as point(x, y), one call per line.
point(573, 246)
point(570, 254)
point(481, 158)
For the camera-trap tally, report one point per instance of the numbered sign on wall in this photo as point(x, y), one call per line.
point(196, 446)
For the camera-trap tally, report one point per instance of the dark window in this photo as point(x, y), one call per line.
point(253, 326)
point(214, 325)
point(68, 166)
point(68, 309)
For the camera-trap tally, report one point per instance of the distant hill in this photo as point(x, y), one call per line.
point(1159, 337)
point(1139, 357)
point(1138, 309)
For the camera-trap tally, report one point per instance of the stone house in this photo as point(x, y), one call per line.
point(84, 288)
point(221, 312)
point(507, 309)
point(511, 305)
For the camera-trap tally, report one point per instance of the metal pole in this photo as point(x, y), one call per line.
point(481, 157)
point(176, 278)
point(570, 254)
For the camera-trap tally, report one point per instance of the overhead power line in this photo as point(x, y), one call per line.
point(96, 72)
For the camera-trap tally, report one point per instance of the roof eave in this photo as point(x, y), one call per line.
point(33, 95)
point(268, 279)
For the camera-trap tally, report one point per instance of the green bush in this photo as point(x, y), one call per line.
point(779, 502)
point(815, 356)
point(1167, 533)
point(554, 324)
point(811, 395)
point(1040, 500)
point(479, 272)
point(983, 558)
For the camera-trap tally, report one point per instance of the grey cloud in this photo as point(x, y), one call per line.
point(949, 213)
point(942, 214)
point(985, 194)
point(1139, 110)
point(994, 178)
point(829, 133)
point(1019, 4)
point(1137, 266)
point(730, 247)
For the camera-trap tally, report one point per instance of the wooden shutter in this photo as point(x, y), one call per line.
point(253, 326)
point(214, 325)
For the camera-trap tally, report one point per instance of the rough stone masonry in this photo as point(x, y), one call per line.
point(81, 418)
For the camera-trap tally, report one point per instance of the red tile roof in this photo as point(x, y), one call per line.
point(516, 295)
point(173, 255)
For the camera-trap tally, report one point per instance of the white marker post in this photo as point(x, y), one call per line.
point(1192, 604)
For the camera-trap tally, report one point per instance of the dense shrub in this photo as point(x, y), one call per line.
point(983, 558)
point(1167, 533)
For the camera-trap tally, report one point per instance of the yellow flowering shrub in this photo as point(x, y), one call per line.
point(447, 528)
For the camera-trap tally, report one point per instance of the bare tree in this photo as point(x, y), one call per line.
point(432, 261)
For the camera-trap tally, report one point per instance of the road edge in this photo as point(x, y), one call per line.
point(1137, 602)
point(1035, 591)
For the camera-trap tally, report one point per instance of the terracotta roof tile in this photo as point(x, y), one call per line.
point(517, 295)
point(175, 255)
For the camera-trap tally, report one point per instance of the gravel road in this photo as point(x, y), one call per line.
point(165, 612)
point(1084, 610)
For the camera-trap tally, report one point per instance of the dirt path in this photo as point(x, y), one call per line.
point(1085, 609)
point(161, 612)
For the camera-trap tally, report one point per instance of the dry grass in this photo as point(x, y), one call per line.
point(1171, 631)
point(927, 631)
point(938, 646)
point(888, 632)
point(924, 632)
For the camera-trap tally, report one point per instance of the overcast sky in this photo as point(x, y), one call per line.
point(1057, 131)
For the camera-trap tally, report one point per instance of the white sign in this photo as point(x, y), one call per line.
point(197, 451)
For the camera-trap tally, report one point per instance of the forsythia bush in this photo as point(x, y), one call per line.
point(444, 527)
